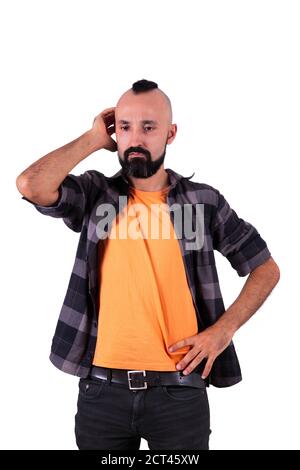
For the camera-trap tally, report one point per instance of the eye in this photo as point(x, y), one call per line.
point(147, 128)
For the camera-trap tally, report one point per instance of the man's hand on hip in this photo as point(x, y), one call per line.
point(207, 344)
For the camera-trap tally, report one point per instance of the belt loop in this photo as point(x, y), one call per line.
point(109, 375)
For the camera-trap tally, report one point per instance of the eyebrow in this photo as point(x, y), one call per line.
point(145, 121)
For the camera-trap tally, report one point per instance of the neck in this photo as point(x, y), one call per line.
point(156, 182)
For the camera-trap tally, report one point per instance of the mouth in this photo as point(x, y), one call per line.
point(136, 154)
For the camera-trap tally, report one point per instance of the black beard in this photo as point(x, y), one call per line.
point(140, 167)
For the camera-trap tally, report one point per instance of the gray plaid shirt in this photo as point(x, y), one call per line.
point(74, 340)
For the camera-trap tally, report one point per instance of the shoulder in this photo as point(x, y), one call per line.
point(94, 176)
point(201, 192)
point(96, 180)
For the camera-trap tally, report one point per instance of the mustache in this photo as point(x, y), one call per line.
point(138, 150)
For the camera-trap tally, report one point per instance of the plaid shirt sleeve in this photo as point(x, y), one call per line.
point(72, 201)
point(237, 239)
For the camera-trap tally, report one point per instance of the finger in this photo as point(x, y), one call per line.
point(182, 343)
point(107, 114)
point(108, 110)
point(192, 364)
point(111, 130)
point(187, 359)
point(208, 367)
point(113, 145)
point(109, 118)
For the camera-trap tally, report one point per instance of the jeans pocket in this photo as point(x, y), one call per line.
point(184, 392)
point(90, 389)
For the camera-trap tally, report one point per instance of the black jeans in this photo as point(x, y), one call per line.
point(110, 416)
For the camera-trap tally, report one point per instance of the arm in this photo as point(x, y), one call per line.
point(247, 252)
point(259, 284)
point(41, 180)
point(212, 341)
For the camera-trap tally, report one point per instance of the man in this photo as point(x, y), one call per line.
point(143, 322)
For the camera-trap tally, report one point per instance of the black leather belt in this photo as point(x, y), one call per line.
point(142, 379)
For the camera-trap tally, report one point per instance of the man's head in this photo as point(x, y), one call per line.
point(143, 124)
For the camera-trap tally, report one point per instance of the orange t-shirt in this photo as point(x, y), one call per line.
point(145, 301)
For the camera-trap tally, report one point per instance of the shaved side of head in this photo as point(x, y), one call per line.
point(151, 88)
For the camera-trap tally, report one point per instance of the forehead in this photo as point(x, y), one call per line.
point(143, 121)
point(143, 106)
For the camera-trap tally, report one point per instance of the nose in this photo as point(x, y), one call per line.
point(136, 138)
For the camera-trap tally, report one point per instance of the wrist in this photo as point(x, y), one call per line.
point(226, 325)
point(92, 141)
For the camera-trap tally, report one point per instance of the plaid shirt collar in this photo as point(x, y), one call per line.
point(174, 177)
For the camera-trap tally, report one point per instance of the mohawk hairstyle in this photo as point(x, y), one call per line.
point(146, 85)
point(143, 85)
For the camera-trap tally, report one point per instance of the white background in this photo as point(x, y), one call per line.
point(231, 70)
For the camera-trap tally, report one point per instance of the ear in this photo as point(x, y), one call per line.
point(172, 133)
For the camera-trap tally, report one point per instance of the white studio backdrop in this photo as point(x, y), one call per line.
point(231, 70)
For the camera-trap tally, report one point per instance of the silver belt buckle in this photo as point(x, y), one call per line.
point(130, 378)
